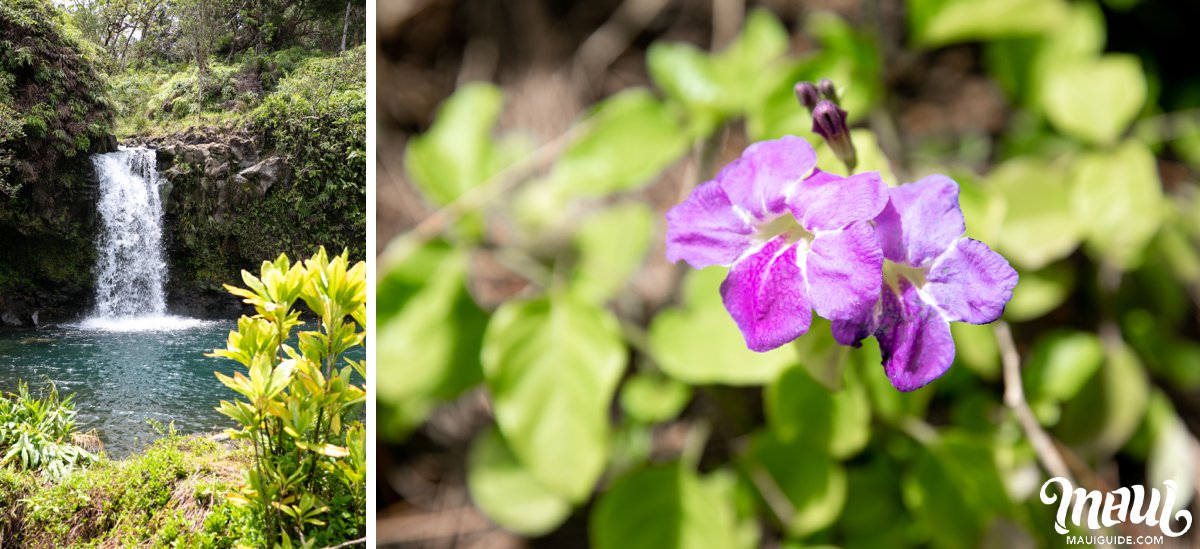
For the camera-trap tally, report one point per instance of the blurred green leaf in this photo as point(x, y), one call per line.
point(612, 244)
point(552, 365)
point(1171, 454)
point(699, 343)
point(813, 484)
point(428, 349)
point(505, 491)
point(1035, 230)
point(798, 408)
point(1039, 292)
point(954, 489)
point(934, 23)
point(1093, 99)
point(878, 517)
point(1116, 195)
point(665, 506)
point(1060, 364)
point(984, 209)
point(1109, 408)
point(713, 87)
point(629, 139)
point(870, 157)
point(977, 349)
point(459, 152)
point(651, 399)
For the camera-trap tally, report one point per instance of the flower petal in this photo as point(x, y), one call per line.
point(970, 282)
point(920, 221)
point(844, 270)
point(914, 339)
point(765, 294)
point(825, 201)
point(704, 230)
point(852, 332)
point(760, 181)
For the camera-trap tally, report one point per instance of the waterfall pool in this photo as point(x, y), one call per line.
point(122, 377)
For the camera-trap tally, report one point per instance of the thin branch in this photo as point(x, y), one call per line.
point(362, 540)
point(1014, 398)
point(403, 246)
point(779, 504)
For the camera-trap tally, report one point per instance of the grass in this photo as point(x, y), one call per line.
point(170, 495)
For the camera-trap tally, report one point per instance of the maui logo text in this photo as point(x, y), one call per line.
point(1115, 507)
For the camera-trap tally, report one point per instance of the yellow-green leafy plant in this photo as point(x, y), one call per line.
point(302, 411)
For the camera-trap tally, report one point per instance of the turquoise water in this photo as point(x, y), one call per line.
point(123, 378)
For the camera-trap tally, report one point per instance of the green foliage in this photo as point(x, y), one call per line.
point(622, 390)
point(36, 433)
point(165, 496)
point(307, 481)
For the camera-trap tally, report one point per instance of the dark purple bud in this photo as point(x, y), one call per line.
point(829, 121)
point(828, 90)
point(806, 93)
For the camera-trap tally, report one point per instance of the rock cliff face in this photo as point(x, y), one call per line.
point(210, 183)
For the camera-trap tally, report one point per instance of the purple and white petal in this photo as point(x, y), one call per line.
point(760, 181)
point(704, 230)
point(914, 339)
point(920, 221)
point(765, 294)
point(825, 201)
point(844, 271)
point(852, 332)
point(970, 282)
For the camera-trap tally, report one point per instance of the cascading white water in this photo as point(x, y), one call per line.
point(130, 270)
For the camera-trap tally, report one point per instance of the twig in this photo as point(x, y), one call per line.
point(1014, 397)
point(606, 43)
point(779, 504)
point(361, 540)
point(404, 245)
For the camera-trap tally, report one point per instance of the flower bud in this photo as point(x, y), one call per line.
point(828, 90)
point(829, 121)
point(807, 94)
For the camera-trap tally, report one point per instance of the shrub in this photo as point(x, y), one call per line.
point(301, 408)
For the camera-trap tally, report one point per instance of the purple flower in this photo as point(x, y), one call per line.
point(795, 238)
point(934, 276)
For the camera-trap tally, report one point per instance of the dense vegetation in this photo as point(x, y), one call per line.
point(539, 354)
point(54, 110)
point(285, 78)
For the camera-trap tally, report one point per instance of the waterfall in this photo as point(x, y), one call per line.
point(130, 270)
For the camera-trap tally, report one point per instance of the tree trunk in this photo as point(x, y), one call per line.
point(345, 26)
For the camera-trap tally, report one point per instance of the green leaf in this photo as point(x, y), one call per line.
point(977, 349)
point(1110, 406)
point(1117, 196)
point(612, 245)
point(1172, 453)
point(713, 87)
point(1094, 99)
point(627, 142)
point(939, 22)
point(1060, 364)
point(651, 399)
point(798, 408)
point(660, 507)
point(699, 343)
point(505, 491)
point(552, 365)
point(954, 489)
point(1035, 230)
point(428, 349)
point(458, 152)
point(1039, 292)
point(813, 484)
point(870, 157)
